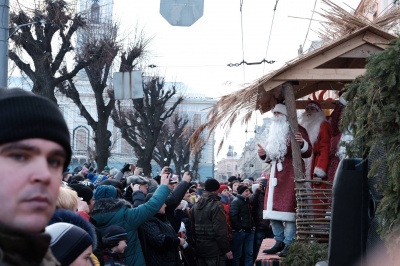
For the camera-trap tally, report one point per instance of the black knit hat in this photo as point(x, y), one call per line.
point(211, 185)
point(241, 189)
point(24, 115)
point(68, 241)
point(83, 192)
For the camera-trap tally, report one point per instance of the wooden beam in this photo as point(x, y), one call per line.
point(320, 74)
point(330, 54)
point(363, 51)
point(376, 40)
point(294, 127)
point(301, 104)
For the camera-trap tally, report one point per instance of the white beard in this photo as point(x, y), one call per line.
point(277, 138)
point(312, 124)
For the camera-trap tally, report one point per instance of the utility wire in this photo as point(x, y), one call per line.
point(241, 29)
point(270, 32)
point(309, 24)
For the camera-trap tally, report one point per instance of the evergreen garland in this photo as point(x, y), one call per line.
point(373, 116)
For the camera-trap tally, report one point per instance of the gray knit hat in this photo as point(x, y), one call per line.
point(24, 115)
point(68, 241)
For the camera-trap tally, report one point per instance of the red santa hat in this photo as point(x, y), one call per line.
point(315, 105)
point(280, 108)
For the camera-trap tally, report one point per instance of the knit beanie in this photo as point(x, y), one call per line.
point(211, 185)
point(83, 192)
point(24, 115)
point(241, 189)
point(232, 178)
point(68, 241)
point(115, 232)
point(222, 187)
point(105, 191)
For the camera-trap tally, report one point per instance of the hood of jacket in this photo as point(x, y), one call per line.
point(105, 210)
point(206, 198)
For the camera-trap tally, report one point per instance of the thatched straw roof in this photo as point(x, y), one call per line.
point(264, 92)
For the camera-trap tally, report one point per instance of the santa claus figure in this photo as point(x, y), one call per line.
point(319, 131)
point(336, 151)
point(280, 200)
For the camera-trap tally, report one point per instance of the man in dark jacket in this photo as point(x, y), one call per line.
point(34, 152)
point(242, 227)
point(263, 229)
point(209, 227)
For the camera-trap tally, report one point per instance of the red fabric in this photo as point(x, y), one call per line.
point(335, 118)
point(227, 207)
point(84, 215)
point(284, 199)
point(321, 148)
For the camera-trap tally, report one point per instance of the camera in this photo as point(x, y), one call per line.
point(169, 170)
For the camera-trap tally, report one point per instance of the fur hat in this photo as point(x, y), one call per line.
point(83, 192)
point(222, 187)
point(211, 185)
point(280, 108)
point(315, 105)
point(105, 191)
point(68, 241)
point(241, 189)
point(24, 115)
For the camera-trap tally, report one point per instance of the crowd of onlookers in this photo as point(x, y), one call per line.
point(132, 219)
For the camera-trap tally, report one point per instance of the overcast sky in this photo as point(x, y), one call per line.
point(198, 55)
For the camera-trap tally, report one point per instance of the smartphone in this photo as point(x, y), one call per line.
point(199, 192)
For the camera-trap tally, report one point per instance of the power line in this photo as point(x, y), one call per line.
point(309, 24)
point(270, 32)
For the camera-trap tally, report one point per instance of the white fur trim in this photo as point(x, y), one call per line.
point(281, 216)
point(305, 147)
point(343, 101)
point(269, 213)
point(319, 172)
point(280, 108)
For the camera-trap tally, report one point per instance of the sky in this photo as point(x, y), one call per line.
point(228, 32)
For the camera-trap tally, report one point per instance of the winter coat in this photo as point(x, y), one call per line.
point(280, 192)
point(20, 248)
point(241, 218)
point(108, 211)
point(257, 207)
point(173, 200)
point(226, 202)
point(209, 227)
point(161, 242)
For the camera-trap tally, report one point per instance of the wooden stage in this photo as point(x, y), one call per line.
point(266, 259)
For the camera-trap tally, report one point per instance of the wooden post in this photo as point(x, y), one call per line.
point(290, 102)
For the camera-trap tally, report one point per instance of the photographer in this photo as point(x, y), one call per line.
point(263, 229)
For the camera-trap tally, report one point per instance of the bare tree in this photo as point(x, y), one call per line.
point(98, 74)
point(172, 130)
point(141, 126)
point(33, 34)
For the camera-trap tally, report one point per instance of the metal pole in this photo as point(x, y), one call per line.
point(4, 28)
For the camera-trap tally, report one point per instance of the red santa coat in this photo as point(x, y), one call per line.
point(335, 139)
point(280, 194)
point(321, 148)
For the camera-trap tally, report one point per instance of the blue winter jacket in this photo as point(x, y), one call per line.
point(120, 212)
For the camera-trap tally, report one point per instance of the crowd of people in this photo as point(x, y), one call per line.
point(121, 217)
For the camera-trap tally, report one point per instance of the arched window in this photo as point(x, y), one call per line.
point(81, 138)
point(95, 13)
